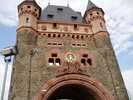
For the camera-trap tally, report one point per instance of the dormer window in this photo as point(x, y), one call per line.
point(50, 16)
point(60, 9)
point(74, 17)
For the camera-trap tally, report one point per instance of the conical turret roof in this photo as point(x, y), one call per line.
point(90, 5)
point(33, 2)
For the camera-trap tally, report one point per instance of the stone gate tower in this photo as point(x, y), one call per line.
point(64, 56)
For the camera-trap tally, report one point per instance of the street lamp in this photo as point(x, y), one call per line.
point(7, 53)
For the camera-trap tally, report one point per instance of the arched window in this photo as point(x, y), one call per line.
point(85, 60)
point(54, 60)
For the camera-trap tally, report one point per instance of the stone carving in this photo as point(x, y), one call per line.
point(68, 68)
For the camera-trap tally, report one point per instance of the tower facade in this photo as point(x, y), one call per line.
point(64, 56)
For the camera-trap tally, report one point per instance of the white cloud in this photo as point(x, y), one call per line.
point(128, 78)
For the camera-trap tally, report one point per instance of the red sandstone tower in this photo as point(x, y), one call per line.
point(64, 56)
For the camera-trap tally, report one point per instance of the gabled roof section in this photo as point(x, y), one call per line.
point(61, 14)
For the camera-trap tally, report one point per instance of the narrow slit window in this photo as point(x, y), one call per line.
point(82, 37)
point(54, 35)
point(54, 25)
point(101, 25)
point(73, 36)
point(77, 36)
point(49, 35)
point(59, 35)
point(75, 26)
point(27, 20)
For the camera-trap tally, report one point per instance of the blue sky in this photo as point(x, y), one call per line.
point(119, 20)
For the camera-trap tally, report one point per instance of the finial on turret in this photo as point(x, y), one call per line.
point(67, 3)
point(49, 2)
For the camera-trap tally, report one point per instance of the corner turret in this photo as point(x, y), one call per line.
point(95, 16)
point(29, 12)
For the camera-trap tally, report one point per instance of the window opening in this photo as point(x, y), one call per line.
point(60, 9)
point(27, 20)
point(85, 55)
point(28, 6)
point(73, 36)
point(89, 61)
point(82, 37)
point(101, 25)
point(75, 26)
point(54, 25)
point(54, 54)
point(74, 17)
point(51, 61)
point(57, 62)
point(49, 35)
point(50, 16)
point(83, 61)
point(54, 35)
point(59, 35)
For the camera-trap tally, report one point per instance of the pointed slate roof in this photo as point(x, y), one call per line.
point(60, 13)
point(90, 5)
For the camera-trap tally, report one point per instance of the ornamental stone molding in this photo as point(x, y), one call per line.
point(94, 86)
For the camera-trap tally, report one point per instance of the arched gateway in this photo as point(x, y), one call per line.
point(71, 53)
point(73, 87)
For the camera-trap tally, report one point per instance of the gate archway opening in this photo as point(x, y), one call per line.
point(72, 92)
point(73, 87)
